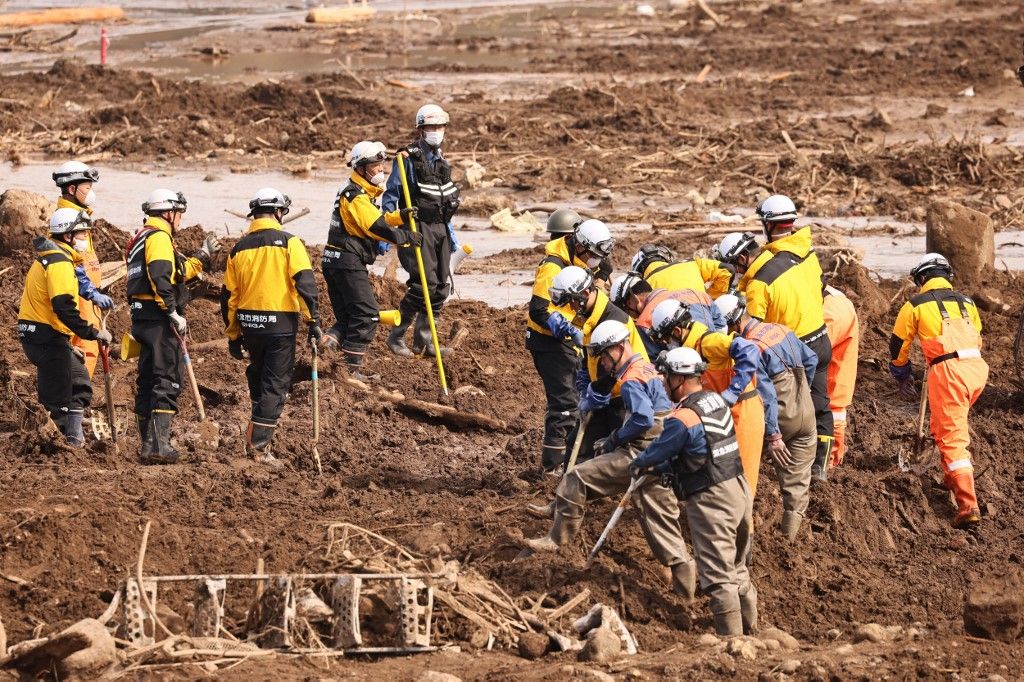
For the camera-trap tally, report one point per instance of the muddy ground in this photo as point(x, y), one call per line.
point(569, 103)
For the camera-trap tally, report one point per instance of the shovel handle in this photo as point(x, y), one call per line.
point(578, 442)
point(187, 359)
point(614, 520)
point(922, 410)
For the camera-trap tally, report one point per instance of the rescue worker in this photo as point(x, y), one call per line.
point(357, 229)
point(635, 296)
point(48, 317)
point(784, 372)
point(698, 446)
point(436, 197)
point(782, 284)
point(646, 405)
point(563, 223)
point(576, 289)
point(844, 334)
point(550, 337)
point(75, 181)
point(268, 286)
point(157, 296)
point(949, 327)
point(656, 265)
point(731, 371)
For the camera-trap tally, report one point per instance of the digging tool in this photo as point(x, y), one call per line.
point(187, 359)
point(921, 411)
point(108, 385)
point(578, 442)
point(423, 277)
point(315, 378)
point(614, 520)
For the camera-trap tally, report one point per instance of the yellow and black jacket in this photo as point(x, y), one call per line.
point(157, 273)
point(922, 317)
point(268, 283)
point(603, 311)
point(357, 224)
point(783, 285)
point(49, 303)
point(557, 255)
point(699, 274)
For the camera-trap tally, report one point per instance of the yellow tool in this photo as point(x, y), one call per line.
point(390, 317)
point(130, 348)
point(423, 277)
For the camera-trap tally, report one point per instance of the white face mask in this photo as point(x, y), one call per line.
point(81, 245)
point(593, 262)
point(90, 198)
point(434, 138)
point(380, 179)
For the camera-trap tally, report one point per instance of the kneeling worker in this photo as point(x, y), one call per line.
point(698, 446)
point(607, 474)
point(49, 316)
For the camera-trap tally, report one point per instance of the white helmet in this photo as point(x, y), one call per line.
point(269, 198)
point(734, 245)
point(431, 115)
point(731, 306)
point(593, 235)
point(649, 253)
point(161, 200)
point(778, 208)
point(607, 335)
point(667, 316)
point(684, 361)
point(74, 172)
point(622, 287)
point(367, 152)
point(931, 262)
point(66, 220)
point(571, 284)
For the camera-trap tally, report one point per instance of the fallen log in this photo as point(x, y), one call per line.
point(70, 15)
point(444, 413)
point(340, 15)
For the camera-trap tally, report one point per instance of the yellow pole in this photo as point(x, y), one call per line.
point(423, 276)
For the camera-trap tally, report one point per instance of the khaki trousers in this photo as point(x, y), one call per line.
point(799, 432)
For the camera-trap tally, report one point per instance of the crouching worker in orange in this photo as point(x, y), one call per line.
point(732, 364)
point(698, 449)
point(949, 327)
point(844, 333)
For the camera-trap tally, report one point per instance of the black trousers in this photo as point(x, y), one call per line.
point(819, 387)
point(271, 365)
point(437, 257)
point(63, 382)
point(158, 384)
point(557, 364)
point(356, 312)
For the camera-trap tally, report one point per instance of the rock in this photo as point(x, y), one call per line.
point(80, 652)
point(789, 666)
point(995, 607)
point(844, 650)
point(203, 125)
point(533, 645)
point(771, 645)
point(935, 110)
point(742, 647)
point(708, 639)
point(1004, 202)
point(995, 678)
point(834, 633)
point(23, 215)
point(228, 140)
point(880, 119)
point(602, 646)
point(873, 632)
point(695, 198)
point(964, 236)
point(474, 174)
point(434, 676)
point(785, 640)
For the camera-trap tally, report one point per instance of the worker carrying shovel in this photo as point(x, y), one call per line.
point(646, 405)
point(699, 448)
point(358, 227)
point(948, 325)
point(157, 275)
point(268, 287)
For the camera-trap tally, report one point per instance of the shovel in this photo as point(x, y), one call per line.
point(315, 378)
point(187, 359)
point(614, 520)
point(579, 442)
point(108, 387)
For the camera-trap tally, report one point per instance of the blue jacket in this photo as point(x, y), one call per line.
point(643, 397)
point(677, 439)
point(780, 350)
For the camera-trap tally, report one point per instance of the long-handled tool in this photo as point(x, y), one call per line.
point(423, 277)
point(187, 359)
point(614, 520)
point(921, 411)
point(108, 385)
point(315, 378)
point(578, 442)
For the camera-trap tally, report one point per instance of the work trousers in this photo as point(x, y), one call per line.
point(158, 383)
point(953, 388)
point(557, 363)
point(819, 385)
point(437, 256)
point(356, 312)
point(271, 365)
point(721, 530)
point(63, 382)
point(608, 475)
point(797, 425)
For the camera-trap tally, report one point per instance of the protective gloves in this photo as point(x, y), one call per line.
point(592, 400)
point(88, 290)
point(178, 322)
point(561, 328)
point(104, 337)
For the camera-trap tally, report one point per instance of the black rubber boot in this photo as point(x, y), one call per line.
point(396, 339)
point(145, 437)
point(72, 428)
point(161, 451)
point(259, 440)
point(422, 341)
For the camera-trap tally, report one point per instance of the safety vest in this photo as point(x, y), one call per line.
point(157, 273)
point(355, 214)
point(433, 192)
point(695, 275)
point(721, 459)
point(604, 310)
point(558, 254)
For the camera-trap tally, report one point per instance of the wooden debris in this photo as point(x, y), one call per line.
point(703, 74)
point(68, 15)
point(710, 13)
point(447, 414)
point(340, 15)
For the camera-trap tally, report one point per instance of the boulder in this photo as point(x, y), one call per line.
point(23, 215)
point(533, 645)
point(964, 236)
point(785, 640)
point(995, 608)
point(435, 676)
point(873, 632)
point(602, 646)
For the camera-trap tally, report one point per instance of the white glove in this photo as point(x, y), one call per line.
point(179, 323)
point(104, 337)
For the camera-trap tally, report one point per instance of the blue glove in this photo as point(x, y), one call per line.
point(451, 237)
point(900, 372)
point(592, 400)
point(730, 397)
point(383, 248)
point(88, 291)
point(561, 328)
